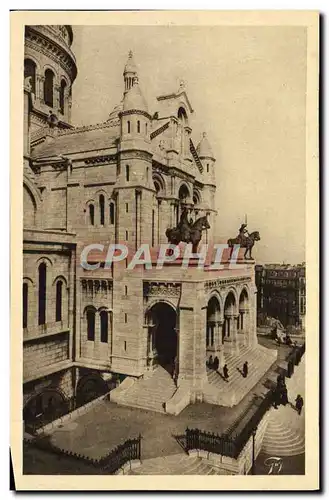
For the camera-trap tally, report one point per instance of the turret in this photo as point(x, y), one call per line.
point(206, 156)
point(130, 72)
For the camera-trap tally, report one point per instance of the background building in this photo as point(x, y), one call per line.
point(281, 294)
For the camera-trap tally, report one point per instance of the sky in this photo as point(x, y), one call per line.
point(247, 86)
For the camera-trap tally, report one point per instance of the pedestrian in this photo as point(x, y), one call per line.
point(225, 371)
point(299, 404)
point(210, 363)
point(275, 397)
point(284, 395)
point(245, 369)
point(216, 364)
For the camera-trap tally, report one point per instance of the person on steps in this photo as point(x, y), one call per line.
point(299, 404)
point(245, 369)
point(225, 372)
point(216, 364)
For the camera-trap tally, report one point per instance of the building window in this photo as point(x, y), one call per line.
point(59, 296)
point(102, 209)
point(128, 127)
point(30, 71)
point(127, 208)
point(111, 213)
point(104, 326)
point(146, 128)
point(153, 219)
point(62, 96)
point(126, 318)
point(126, 290)
point(125, 345)
point(42, 293)
point(91, 325)
point(208, 168)
point(49, 88)
point(127, 173)
point(91, 214)
point(138, 126)
point(25, 303)
point(126, 235)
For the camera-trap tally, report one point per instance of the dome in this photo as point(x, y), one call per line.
point(130, 66)
point(134, 99)
point(115, 112)
point(204, 149)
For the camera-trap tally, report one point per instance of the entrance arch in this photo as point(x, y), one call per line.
point(163, 338)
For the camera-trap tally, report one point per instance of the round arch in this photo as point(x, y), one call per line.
point(44, 406)
point(161, 318)
point(89, 387)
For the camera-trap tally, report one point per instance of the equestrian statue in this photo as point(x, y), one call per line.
point(245, 240)
point(188, 231)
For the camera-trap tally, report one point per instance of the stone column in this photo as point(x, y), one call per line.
point(39, 88)
point(235, 343)
point(219, 345)
point(56, 98)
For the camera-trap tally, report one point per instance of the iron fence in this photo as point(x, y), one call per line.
point(109, 464)
point(224, 444)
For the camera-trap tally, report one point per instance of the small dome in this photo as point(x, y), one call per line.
point(204, 149)
point(134, 99)
point(115, 112)
point(130, 66)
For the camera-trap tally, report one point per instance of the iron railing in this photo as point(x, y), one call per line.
point(109, 464)
point(224, 444)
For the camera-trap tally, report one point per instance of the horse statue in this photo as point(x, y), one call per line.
point(246, 242)
point(188, 232)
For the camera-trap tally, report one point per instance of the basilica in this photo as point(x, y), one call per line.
point(143, 337)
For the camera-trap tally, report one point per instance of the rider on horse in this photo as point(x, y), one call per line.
point(243, 234)
point(184, 225)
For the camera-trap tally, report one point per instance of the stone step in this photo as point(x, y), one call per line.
point(150, 393)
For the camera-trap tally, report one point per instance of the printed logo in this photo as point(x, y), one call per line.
point(275, 465)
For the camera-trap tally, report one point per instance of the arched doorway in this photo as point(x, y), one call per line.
point(163, 339)
point(90, 387)
point(243, 312)
point(44, 407)
point(213, 333)
point(229, 326)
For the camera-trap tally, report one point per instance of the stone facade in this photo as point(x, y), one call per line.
point(122, 181)
point(281, 294)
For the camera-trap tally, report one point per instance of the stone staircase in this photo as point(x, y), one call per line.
point(231, 392)
point(149, 393)
point(285, 432)
point(180, 464)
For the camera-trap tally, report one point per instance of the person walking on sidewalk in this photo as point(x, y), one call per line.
point(299, 404)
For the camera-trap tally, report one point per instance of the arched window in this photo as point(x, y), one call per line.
point(128, 127)
point(25, 303)
point(112, 213)
point(59, 297)
point(146, 128)
point(127, 173)
point(62, 96)
point(42, 293)
point(30, 70)
point(104, 326)
point(138, 126)
point(49, 88)
point(91, 214)
point(91, 325)
point(102, 209)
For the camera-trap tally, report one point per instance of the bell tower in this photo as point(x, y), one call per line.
point(135, 189)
